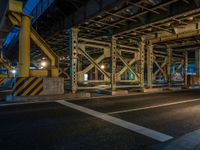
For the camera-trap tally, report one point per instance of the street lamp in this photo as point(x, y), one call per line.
point(43, 64)
point(102, 67)
point(14, 72)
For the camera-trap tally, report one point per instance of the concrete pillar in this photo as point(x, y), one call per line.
point(24, 47)
point(169, 67)
point(113, 63)
point(186, 68)
point(149, 64)
point(73, 42)
point(142, 60)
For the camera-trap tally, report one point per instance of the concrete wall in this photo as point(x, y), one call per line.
point(53, 86)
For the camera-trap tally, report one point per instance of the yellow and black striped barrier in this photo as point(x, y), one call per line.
point(31, 86)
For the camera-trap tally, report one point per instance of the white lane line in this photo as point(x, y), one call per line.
point(122, 123)
point(151, 107)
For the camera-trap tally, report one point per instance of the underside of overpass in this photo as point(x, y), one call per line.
point(104, 45)
point(100, 74)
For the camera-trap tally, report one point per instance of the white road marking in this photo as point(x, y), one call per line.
point(122, 123)
point(151, 107)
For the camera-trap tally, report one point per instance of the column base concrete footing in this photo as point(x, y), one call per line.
point(119, 92)
point(152, 90)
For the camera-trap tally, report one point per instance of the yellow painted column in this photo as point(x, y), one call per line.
point(169, 69)
point(24, 47)
point(73, 42)
point(150, 61)
point(113, 63)
point(142, 61)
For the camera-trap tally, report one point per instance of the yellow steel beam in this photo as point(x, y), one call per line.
point(182, 35)
point(24, 46)
point(16, 19)
point(5, 65)
point(94, 63)
point(131, 62)
point(40, 43)
point(15, 6)
point(127, 65)
point(39, 73)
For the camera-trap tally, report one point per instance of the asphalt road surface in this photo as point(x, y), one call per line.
point(141, 122)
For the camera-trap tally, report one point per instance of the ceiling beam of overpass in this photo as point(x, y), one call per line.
point(89, 10)
point(175, 10)
point(178, 36)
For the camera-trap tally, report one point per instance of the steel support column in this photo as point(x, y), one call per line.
point(126, 75)
point(197, 61)
point(142, 60)
point(149, 64)
point(96, 73)
point(74, 59)
point(113, 63)
point(17, 20)
point(169, 67)
point(24, 46)
point(186, 68)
